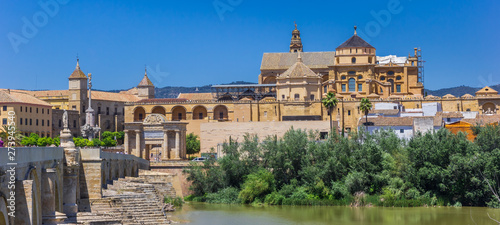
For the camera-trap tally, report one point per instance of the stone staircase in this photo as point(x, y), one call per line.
point(130, 200)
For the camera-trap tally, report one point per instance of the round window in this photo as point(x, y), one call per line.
point(343, 78)
point(360, 77)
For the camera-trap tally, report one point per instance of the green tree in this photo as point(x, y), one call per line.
point(32, 140)
point(365, 106)
point(192, 144)
point(330, 101)
point(56, 141)
point(14, 132)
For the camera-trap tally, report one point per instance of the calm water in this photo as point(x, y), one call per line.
point(200, 213)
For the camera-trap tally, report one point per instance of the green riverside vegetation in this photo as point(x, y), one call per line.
point(434, 169)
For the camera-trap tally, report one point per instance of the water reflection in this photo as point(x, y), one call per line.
point(200, 214)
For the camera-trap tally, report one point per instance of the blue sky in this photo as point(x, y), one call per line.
point(194, 43)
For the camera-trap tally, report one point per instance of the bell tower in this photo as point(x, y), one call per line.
point(77, 89)
point(296, 43)
point(146, 89)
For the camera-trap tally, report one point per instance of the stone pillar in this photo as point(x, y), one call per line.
point(183, 144)
point(164, 153)
point(177, 144)
point(125, 142)
point(138, 143)
point(49, 214)
point(70, 207)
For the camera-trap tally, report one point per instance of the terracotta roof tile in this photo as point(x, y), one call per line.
point(283, 61)
point(196, 96)
point(482, 119)
point(20, 97)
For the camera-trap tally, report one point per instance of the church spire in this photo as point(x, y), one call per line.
point(296, 43)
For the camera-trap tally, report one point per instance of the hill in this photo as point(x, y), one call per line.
point(458, 91)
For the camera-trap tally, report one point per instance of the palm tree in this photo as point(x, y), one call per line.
point(365, 106)
point(330, 101)
point(4, 134)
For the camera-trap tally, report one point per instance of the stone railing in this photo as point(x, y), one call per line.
point(32, 154)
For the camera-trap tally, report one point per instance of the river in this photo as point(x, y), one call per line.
point(220, 214)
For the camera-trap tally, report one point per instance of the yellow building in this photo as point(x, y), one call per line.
point(29, 114)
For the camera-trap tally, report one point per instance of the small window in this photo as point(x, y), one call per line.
point(265, 113)
point(283, 97)
point(343, 87)
point(348, 112)
point(398, 78)
point(74, 125)
point(468, 110)
point(353, 60)
point(37, 110)
point(360, 77)
point(179, 116)
point(31, 122)
point(73, 107)
point(21, 108)
point(381, 90)
point(21, 121)
point(370, 60)
point(390, 73)
point(402, 131)
point(4, 108)
point(342, 78)
point(351, 72)
point(107, 110)
point(25, 121)
point(382, 78)
point(43, 123)
point(311, 97)
point(297, 96)
point(36, 122)
point(360, 87)
point(98, 110)
point(412, 63)
point(48, 122)
point(60, 123)
point(43, 111)
point(325, 89)
point(140, 116)
point(398, 88)
point(448, 119)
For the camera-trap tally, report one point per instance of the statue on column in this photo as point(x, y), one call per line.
point(89, 130)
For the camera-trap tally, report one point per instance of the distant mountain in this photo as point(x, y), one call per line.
point(173, 92)
point(458, 91)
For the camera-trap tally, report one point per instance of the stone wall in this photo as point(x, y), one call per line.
point(213, 134)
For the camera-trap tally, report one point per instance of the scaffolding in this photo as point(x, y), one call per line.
point(420, 64)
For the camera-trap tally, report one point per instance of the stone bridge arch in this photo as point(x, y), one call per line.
point(4, 217)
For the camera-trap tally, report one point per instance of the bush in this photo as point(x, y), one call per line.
point(177, 201)
point(227, 196)
point(256, 185)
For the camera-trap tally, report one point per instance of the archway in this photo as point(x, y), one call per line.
point(269, 80)
point(392, 85)
point(199, 112)
point(158, 110)
point(139, 114)
point(36, 199)
point(178, 113)
point(489, 108)
point(3, 211)
point(221, 112)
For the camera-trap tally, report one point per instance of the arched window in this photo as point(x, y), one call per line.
point(353, 60)
point(392, 85)
point(352, 85)
point(342, 78)
point(369, 59)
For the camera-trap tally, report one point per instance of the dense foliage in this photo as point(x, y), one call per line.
point(437, 168)
point(192, 144)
